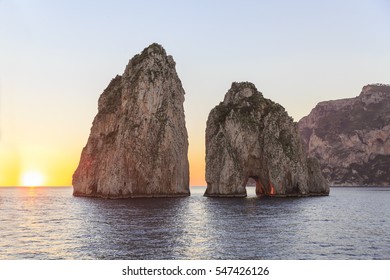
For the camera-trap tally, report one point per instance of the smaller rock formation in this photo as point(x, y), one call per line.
point(138, 142)
point(351, 138)
point(249, 136)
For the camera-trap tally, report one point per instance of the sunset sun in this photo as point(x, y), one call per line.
point(32, 179)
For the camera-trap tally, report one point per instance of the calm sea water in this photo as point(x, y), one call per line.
point(49, 223)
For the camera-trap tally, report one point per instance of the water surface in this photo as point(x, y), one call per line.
point(49, 223)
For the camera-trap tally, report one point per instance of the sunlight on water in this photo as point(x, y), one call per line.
point(49, 223)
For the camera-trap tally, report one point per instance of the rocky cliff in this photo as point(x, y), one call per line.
point(138, 142)
point(351, 137)
point(249, 136)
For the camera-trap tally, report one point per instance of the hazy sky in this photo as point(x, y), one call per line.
point(57, 57)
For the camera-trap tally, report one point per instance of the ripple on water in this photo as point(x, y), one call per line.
point(49, 223)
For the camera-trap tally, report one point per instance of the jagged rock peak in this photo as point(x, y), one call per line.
point(138, 143)
point(239, 91)
point(153, 54)
point(351, 137)
point(249, 136)
point(378, 87)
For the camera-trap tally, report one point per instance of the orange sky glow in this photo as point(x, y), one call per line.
point(56, 167)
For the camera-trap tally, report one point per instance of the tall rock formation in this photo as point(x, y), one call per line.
point(351, 137)
point(138, 142)
point(249, 136)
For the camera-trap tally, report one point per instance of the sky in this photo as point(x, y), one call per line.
point(57, 57)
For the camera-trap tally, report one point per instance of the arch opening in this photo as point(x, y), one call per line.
point(254, 181)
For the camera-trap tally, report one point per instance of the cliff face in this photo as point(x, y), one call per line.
point(249, 136)
point(138, 142)
point(351, 137)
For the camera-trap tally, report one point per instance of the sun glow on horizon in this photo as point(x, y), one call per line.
point(32, 179)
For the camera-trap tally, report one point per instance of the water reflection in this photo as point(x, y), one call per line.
point(134, 228)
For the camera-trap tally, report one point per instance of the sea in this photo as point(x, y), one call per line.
point(49, 223)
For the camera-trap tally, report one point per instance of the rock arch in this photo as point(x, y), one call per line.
point(259, 187)
point(249, 136)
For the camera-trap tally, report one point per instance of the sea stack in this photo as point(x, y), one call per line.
point(138, 144)
point(351, 137)
point(249, 136)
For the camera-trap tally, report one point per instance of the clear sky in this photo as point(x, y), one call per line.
point(56, 58)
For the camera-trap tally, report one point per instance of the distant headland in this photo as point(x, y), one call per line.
point(351, 137)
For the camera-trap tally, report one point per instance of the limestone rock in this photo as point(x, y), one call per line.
point(351, 137)
point(249, 136)
point(138, 143)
